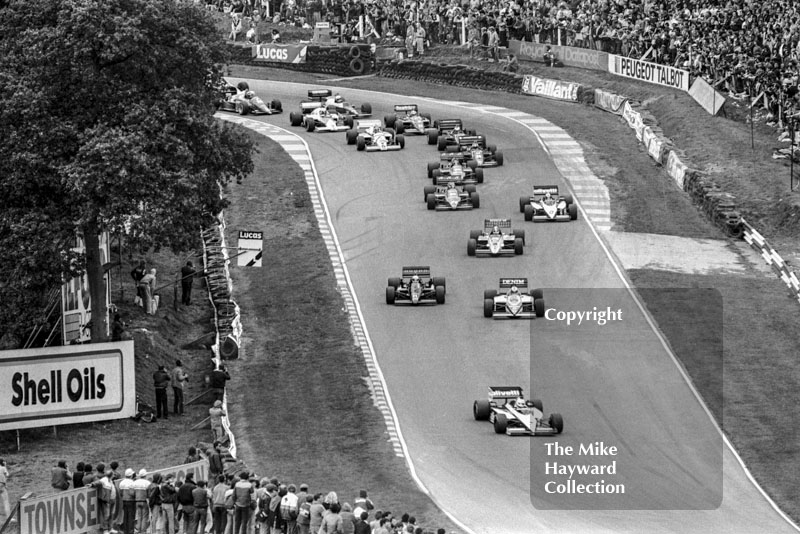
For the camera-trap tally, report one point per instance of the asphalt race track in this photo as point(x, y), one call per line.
point(616, 384)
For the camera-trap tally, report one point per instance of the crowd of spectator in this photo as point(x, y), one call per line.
point(138, 502)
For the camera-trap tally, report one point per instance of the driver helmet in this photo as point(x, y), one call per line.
point(495, 229)
point(548, 196)
point(475, 144)
point(513, 289)
point(249, 94)
point(338, 98)
point(520, 403)
point(415, 278)
point(412, 112)
point(456, 129)
point(451, 185)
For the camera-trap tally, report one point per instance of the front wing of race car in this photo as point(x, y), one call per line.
point(507, 248)
point(503, 309)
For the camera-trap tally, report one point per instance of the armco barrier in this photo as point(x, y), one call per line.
point(772, 258)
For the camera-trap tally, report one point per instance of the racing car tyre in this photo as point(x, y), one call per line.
point(520, 234)
point(537, 293)
point(352, 136)
point(479, 175)
point(394, 282)
point(439, 295)
point(489, 294)
point(432, 167)
point(310, 124)
point(361, 143)
point(471, 132)
point(518, 246)
point(475, 234)
point(537, 403)
point(498, 158)
point(357, 65)
point(572, 209)
point(472, 244)
point(277, 106)
point(295, 119)
point(431, 200)
point(492, 148)
point(568, 199)
point(436, 126)
point(523, 201)
point(400, 140)
point(354, 52)
point(475, 199)
point(538, 307)
point(433, 135)
point(390, 295)
point(481, 410)
point(439, 281)
point(435, 173)
point(470, 188)
point(500, 423)
point(488, 307)
point(557, 422)
point(472, 164)
point(452, 149)
point(441, 143)
point(400, 128)
point(429, 190)
point(528, 212)
point(241, 109)
point(366, 108)
point(348, 121)
point(389, 121)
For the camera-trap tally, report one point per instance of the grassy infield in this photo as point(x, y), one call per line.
point(306, 411)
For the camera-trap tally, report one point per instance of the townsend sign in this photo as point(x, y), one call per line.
point(555, 89)
point(648, 72)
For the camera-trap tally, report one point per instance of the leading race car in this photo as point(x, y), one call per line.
point(242, 100)
point(334, 102)
point(408, 119)
point(511, 414)
point(453, 168)
point(474, 148)
point(513, 301)
point(416, 287)
point(369, 135)
point(447, 132)
point(322, 120)
point(451, 197)
point(496, 239)
point(547, 205)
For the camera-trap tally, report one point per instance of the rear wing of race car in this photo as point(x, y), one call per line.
point(308, 106)
point(504, 392)
point(500, 223)
point(366, 123)
point(506, 283)
point(541, 190)
point(319, 94)
point(447, 156)
point(405, 108)
point(416, 270)
point(467, 140)
point(448, 124)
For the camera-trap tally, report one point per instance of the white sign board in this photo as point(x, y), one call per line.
point(648, 72)
point(64, 385)
point(250, 246)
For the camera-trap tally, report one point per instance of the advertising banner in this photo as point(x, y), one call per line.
point(676, 169)
point(555, 89)
point(75, 511)
point(610, 102)
point(706, 96)
point(63, 385)
point(633, 118)
point(569, 55)
point(648, 72)
point(280, 53)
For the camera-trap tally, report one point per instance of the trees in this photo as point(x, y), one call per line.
point(106, 118)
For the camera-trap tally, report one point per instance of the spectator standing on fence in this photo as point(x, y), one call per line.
point(4, 502)
point(169, 499)
point(161, 380)
point(128, 492)
point(219, 377)
point(187, 281)
point(215, 414)
point(215, 465)
point(60, 476)
point(179, 379)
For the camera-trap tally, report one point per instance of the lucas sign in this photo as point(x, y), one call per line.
point(62, 385)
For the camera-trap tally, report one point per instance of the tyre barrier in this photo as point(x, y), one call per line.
point(357, 65)
point(457, 75)
point(333, 59)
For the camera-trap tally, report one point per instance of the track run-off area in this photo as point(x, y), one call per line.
point(624, 397)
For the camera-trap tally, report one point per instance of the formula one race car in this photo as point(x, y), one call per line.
point(408, 119)
point(447, 132)
point(511, 414)
point(513, 300)
point(335, 103)
point(452, 197)
point(547, 205)
point(416, 287)
point(453, 168)
point(496, 239)
point(322, 120)
point(474, 148)
point(242, 100)
point(369, 135)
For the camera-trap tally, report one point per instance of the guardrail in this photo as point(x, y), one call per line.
point(772, 258)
